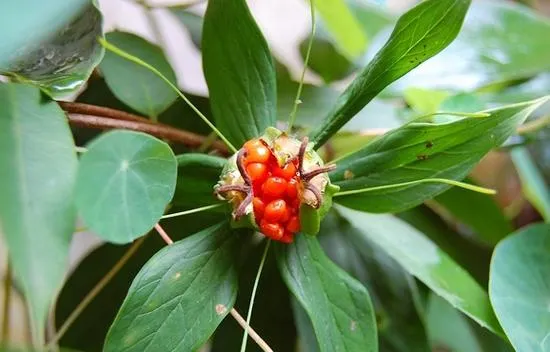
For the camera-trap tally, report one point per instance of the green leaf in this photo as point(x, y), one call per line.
point(135, 85)
point(65, 60)
point(448, 329)
point(344, 27)
point(422, 150)
point(372, 17)
point(324, 59)
point(180, 296)
point(478, 211)
point(425, 101)
point(23, 30)
point(198, 173)
point(38, 171)
point(90, 329)
point(392, 290)
point(519, 287)
point(191, 21)
point(339, 307)
point(533, 185)
point(419, 34)
point(464, 250)
point(272, 318)
point(423, 259)
point(500, 41)
point(239, 71)
point(317, 100)
point(125, 180)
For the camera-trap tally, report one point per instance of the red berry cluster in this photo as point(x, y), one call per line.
point(275, 189)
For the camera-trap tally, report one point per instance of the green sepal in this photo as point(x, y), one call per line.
point(310, 218)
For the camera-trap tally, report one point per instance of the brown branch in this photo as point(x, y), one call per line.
point(92, 116)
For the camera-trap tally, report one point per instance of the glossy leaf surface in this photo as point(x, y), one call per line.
point(339, 306)
point(239, 71)
point(38, 168)
point(423, 259)
point(423, 150)
point(65, 60)
point(419, 34)
point(180, 296)
point(133, 84)
point(519, 287)
point(21, 27)
point(125, 181)
point(500, 41)
point(90, 329)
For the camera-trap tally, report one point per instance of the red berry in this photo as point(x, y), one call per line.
point(276, 211)
point(256, 152)
point(259, 208)
point(287, 172)
point(287, 237)
point(292, 189)
point(257, 172)
point(293, 224)
point(274, 187)
point(271, 230)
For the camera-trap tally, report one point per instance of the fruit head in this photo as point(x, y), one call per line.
point(277, 185)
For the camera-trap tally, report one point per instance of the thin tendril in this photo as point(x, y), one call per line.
point(140, 62)
point(191, 211)
point(292, 117)
point(251, 304)
point(412, 183)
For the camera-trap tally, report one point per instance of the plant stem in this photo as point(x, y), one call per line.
point(191, 211)
point(6, 304)
point(251, 304)
point(93, 116)
point(140, 62)
point(164, 235)
point(292, 117)
point(94, 292)
point(158, 130)
point(534, 126)
point(253, 334)
point(413, 183)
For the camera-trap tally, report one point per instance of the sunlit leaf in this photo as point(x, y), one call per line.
point(423, 150)
point(239, 71)
point(125, 181)
point(38, 168)
point(500, 41)
point(519, 287)
point(180, 296)
point(339, 306)
point(343, 26)
point(435, 22)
